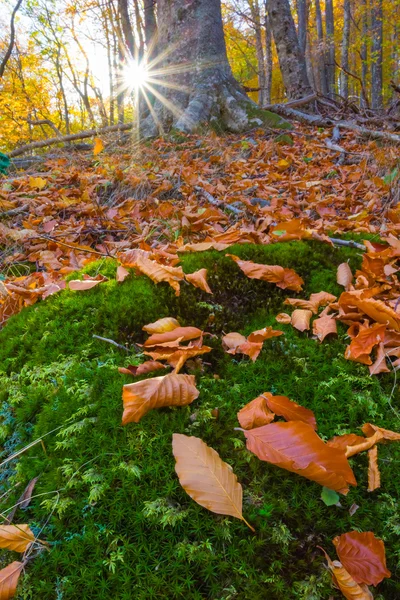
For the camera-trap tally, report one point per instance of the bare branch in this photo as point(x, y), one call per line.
point(12, 40)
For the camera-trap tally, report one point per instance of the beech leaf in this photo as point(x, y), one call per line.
point(168, 390)
point(199, 280)
point(363, 556)
point(301, 319)
point(207, 479)
point(16, 537)
point(162, 325)
point(290, 410)
point(344, 275)
point(324, 326)
point(342, 579)
point(143, 369)
point(296, 447)
point(139, 259)
point(9, 579)
point(283, 278)
point(255, 414)
point(86, 284)
point(374, 476)
point(177, 334)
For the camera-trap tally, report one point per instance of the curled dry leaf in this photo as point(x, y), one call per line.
point(9, 579)
point(344, 276)
point(363, 556)
point(290, 410)
point(324, 326)
point(296, 447)
point(143, 369)
point(203, 246)
point(379, 366)
point(207, 479)
point(169, 390)
point(301, 319)
point(139, 259)
point(366, 444)
point(365, 341)
point(255, 414)
point(342, 579)
point(343, 441)
point(176, 357)
point(283, 278)
point(162, 325)
point(375, 309)
point(314, 303)
point(370, 430)
point(177, 334)
point(122, 273)
point(87, 283)
point(199, 280)
point(236, 343)
point(16, 537)
point(284, 318)
point(374, 476)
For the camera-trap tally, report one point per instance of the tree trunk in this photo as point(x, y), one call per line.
point(150, 28)
point(377, 54)
point(323, 85)
point(255, 15)
point(126, 26)
point(364, 52)
point(302, 10)
point(268, 55)
point(196, 79)
point(291, 59)
point(344, 78)
point(330, 47)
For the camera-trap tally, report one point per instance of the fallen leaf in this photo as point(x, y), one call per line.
point(374, 476)
point(98, 146)
point(138, 259)
point(342, 579)
point(379, 366)
point(283, 278)
point(375, 309)
point(122, 273)
point(168, 390)
point(296, 447)
point(366, 444)
point(255, 414)
point(37, 183)
point(143, 369)
point(179, 333)
point(343, 441)
point(9, 579)
point(236, 343)
point(329, 497)
point(365, 341)
point(16, 537)
point(176, 357)
point(301, 319)
point(284, 318)
point(363, 556)
point(78, 285)
point(344, 276)
point(199, 280)
point(324, 326)
point(206, 478)
point(370, 430)
point(290, 410)
point(162, 325)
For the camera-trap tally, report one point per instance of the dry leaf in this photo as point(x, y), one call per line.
point(289, 410)
point(98, 146)
point(343, 441)
point(16, 537)
point(296, 447)
point(176, 335)
point(350, 589)
point(375, 309)
point(162, 325)
point(374, 476)
point(9, 579)
point(370, 430)
point(365, 341)
point(169, 390)
point(206, 478)
point(344, 276)
point(86, 284)
point(284, 318)
point(138, 259)
point(236, 343)
point(301, 319)
point(283, 278)
point(363, 556)
point(379, 366)
point(324, 326)
point(255, 414)
point(122, 273)
point(37, 183)
point(366, 444)
point(143, 369)
point(199, 280)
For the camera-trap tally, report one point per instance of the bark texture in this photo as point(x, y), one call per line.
point(344, 76)
point(291, 59)
point(330, 47)
point(197, 85)
point(377, 54)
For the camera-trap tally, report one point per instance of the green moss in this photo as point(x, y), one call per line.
point(268, 118)
point(119, 524)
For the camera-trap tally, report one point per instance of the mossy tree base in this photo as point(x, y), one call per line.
point(119, 523)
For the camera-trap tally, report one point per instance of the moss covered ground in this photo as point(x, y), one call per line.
point(107, 498)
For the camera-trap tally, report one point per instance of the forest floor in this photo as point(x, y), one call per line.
point(107, 498)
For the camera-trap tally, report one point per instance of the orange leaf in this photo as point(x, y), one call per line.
point(138, 259)
point(343, 441)
point(16, 537)
point(296, 447)
point(122, 274)
point(283, 318)
point(255, 414)
point(374, 476)
point(370, 430)
point(344, 275)
point(283, 278)
point(177, 357)
point(379, 365)
point(88, 283)
point(236, 343)
point(301, 319)
point(199, 279)
point(169, 390)
point(9, 579)
point(345, 582)
point(98, 146)
point(289, 410)
point(363, 556)
point(203, 246)
point(264, 334)
point(375, 309)
point(324, 326)
point(162, 325)
point(365, 340)
point(206, 478)
point(143, 369)
point(177, 334)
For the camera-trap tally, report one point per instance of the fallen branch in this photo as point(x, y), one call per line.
point(69, 138)
point(348, 243)
point(102, 339)
point(292, 103)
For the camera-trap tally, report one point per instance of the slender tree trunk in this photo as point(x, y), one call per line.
point(364, 51)
point(126, 26)
point(139, 31)
point(268, 55)
point(9, 50)
point(197, 85)
point(344, 78)
point(322, 77)
point(291, 59)
point(377, 54)
point(330, 47)
point(261, 71)
point(302, 18)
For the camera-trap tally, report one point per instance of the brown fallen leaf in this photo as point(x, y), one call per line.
point(374, 476)
point(375, 309)
point(379, 366)
point(122, 273)
point(314, 303)
point(139, 259)
point(168, 390)
point(176, 357)
point(342, 579)
point(9, 579)
point(366, 444)
point(16, 537)
point(365, 340)
point(199, 280)
point(162, 325)
point(143, 369)
point(207, 479)
point(363, 556)
point(87, 283)
point(344, 276)
point(23, 501)
point(343, 441)
point(296, 447)
point(324, 326)
point(290, 410)
point(236, 343)
point(369, 430)
point(177, 334)
point(255, 414)
point(284, 318)
point(301, 319)
point(283, 278)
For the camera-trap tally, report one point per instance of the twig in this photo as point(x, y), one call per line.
point(103, 339)
point(12, 40)
point(50, 239)
point(210, 198)
point(14, 211)
point(348, 243)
